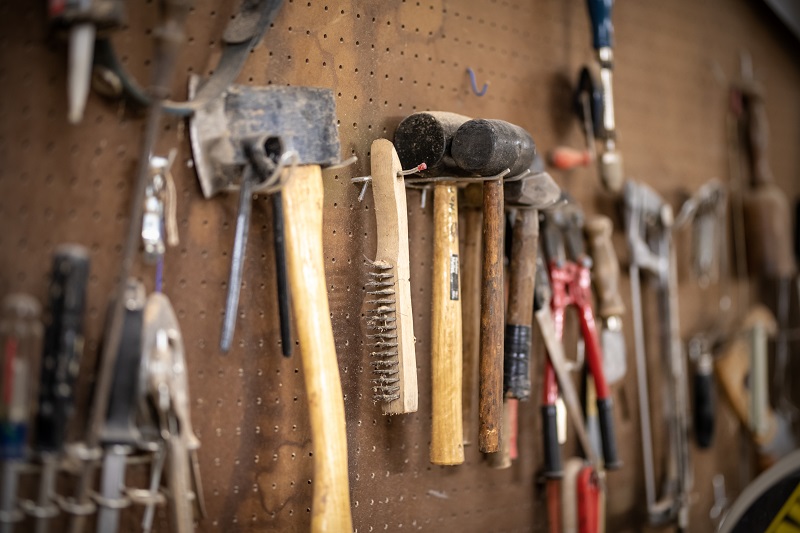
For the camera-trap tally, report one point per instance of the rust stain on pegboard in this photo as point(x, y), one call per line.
point(383, 60)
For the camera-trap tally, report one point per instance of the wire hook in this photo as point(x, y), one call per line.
point(474, 83)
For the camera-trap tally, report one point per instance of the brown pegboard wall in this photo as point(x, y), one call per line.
point(384, 60)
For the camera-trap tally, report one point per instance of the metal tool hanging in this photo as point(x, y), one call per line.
point(649, 222)
point(21, 340)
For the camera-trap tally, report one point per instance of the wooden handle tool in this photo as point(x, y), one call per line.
point(519, 319)
point(427, 138)
point(471, 256)
point(302, 207)
point(447, 447)
point(605, 277)
point(766, 209)
point(487, 148)
point(394, 361)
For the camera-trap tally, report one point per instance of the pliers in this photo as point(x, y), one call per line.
point(569, 268)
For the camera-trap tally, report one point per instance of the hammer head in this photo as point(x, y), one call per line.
point(538, 191)
point(297, 119)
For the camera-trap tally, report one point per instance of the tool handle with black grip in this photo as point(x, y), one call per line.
point(600, 19)
point(704, 403)
point(119, 426)
point(519, 318)
point(63, 346)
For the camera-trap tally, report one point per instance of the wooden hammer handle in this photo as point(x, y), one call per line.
point(447, 447)
point(522, 277)
point(490, 401)
point(606, 266)
point(302, 207)
point(471, 314)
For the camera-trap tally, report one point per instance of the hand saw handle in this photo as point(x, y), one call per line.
point(302, 208)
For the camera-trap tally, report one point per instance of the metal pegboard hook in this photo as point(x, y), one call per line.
point(366, 180)
point(474, 83)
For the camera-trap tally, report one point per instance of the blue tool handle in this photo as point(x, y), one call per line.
point(63, 346)
point(602, 29)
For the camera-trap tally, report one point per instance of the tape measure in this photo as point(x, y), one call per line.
point(771, 503)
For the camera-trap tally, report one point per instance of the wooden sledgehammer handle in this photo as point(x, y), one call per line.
point(447, 447)
point(302, 207)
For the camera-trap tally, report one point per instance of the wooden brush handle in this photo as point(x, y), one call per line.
point(490, 402)
point(389, 192)
point(447, 447)
point(605, 268)
point(302, 208)
point(471, 311)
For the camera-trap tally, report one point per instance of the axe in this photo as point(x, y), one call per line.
point(257, 130)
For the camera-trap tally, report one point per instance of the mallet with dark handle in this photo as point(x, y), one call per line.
point(426, 138)
point(487, 148)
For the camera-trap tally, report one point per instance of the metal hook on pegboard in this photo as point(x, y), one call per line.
point(474, 83)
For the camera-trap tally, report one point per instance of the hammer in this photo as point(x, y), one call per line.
point(427, 138)
point(487, 148)
point(297, 123)
point(528, 196)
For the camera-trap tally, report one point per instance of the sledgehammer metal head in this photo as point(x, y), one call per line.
point(302, 119)
point(538, 191)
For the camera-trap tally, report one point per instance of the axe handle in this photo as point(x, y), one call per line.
point(447, 446)
point(490, 401)
point(302, 208)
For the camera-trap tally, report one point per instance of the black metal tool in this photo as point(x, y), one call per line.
point(20, 340)
point(82, 19)
point(63, 348)
point(120, 435)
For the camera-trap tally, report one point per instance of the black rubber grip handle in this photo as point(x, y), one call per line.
point(516, 362)
point(552, 451)
point(605, 415)
point(63, 346)
point(120, 427)
point(703, 409)
point(488, 147)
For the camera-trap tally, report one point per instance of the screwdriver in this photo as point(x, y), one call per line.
point(81, 19)
point(21, 335)
point(63, 347)
point(611, 172)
